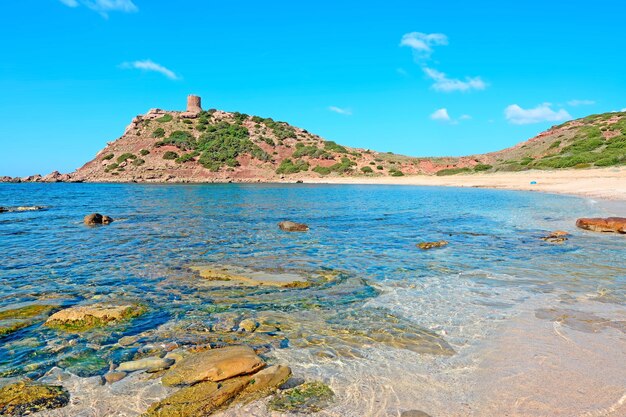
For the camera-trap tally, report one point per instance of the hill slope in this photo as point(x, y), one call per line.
point(218, 146)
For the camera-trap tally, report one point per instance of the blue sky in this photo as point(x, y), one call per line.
point(421, 78)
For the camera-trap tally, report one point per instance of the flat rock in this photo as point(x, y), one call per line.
point(289, 226)
point(307, 398)
point(214, 365)
point(430, 245)
point(114, 376)
point(150, 363)
point(227, 275)
point(86, 317)
point(265, 382)
point(598, 224)
point(23, 398)
point(201, 399)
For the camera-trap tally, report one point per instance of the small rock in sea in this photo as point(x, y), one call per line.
point(608, 224)
point(29, 208)
point(96, 218)
point(414, 413)
point(150, 364)
point(24, 398)
point(3, 209)
point(114, 376)
point(430, 245)
point(557, 236)
point(307, 398)
point(83, 318)
point(214, 365)
point(289, 226)
point(265, 382)
point(248, 325)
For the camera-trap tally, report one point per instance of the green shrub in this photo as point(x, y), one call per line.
point(107, 157)
point(287, 166)
point(331, 146)
point(138, 162)
point(267, 140)
point(125, 156)
point(322, 170)
point(165, 118)
point(182, 140)
point(555, 144)
point(144, 152)
point(187, 122)
point(223, 143)
point(158, 133)
point(111, 167)
point(452, 171)
point(170, 155)
point(367, 170)
point(379, 167)
point(281, 130)
point(311, 151)
point(396, 173)
point(187, 157)
point(482, 167)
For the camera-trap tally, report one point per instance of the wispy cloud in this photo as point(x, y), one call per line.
point(422, 43)
point(542, 113)
point(148, 65)
point(441, 115)
point(447, 85)
point(103, 7)
point(339, 110)
point(575, 103)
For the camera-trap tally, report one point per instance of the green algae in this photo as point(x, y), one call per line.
point(90, 322)
point(25, 312)
point(23, 398)
point(309, 397)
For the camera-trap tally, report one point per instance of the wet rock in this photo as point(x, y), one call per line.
point(21, 208)
point(201, 399)
point(289, 226)
point(23, 398)
point(3, 209)
point(414, 413)
point(12, 320)
point(608, 224)
point(307, 398)
point(96, 218)
point(557, 236)
point(265, 382)
point(114, 376)
point(86, 317)
point(150, 364)
point(430, 245)
point(214, 365)
point(227, 275)
point(248, 325)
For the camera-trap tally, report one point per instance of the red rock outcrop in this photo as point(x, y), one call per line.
point(598, 224)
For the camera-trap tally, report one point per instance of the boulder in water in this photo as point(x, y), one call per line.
point(289, 226)
point(558, 236)
point(598, 224)
point(430, 245)
point(82, 318)
point(96, 218)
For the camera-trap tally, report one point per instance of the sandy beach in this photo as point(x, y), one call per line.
point(605, 183)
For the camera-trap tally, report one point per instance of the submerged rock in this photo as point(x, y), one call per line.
point(86, 317)
point(608, 224)
point(214, 365)
point(307, 398)
point(227, 275)
point(114, 376)
point(201, 399)
point(150, 364)
point(557, 236)
point(96, 218)
point(21, 208)
point(248, 325)
point(430, 245)
point(265, 382)
point(23, 398)
point(14, 319)
point(289, 226)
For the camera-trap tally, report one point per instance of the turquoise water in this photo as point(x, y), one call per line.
point(366, 233)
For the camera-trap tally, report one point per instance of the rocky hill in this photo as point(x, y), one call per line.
point(218, 146)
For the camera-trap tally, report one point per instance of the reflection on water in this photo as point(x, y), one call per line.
point(387, 301)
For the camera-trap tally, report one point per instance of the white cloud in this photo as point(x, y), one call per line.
point(542, 113)
point(465, 117)
point(441, 115)
point(148, 65)
point(445, 84)
point(104, 6)
point(575, 103)
point(423, 42)
point(339, 110)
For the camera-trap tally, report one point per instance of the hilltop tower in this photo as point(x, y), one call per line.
point(193, 104)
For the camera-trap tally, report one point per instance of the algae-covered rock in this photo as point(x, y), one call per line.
point(289, 226)
point(214, 365)
point(430, 245)
point(23, 398)
point(265, 382)
point(83, 318)
point(201, 399)
point(309, 397)
point(14, 319)
point(229, 275)
point(248, 325)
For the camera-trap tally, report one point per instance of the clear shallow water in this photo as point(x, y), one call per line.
point(494, 268)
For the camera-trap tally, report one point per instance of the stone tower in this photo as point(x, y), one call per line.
point(193, 104)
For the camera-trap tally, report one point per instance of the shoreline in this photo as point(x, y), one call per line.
point(602, 183)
